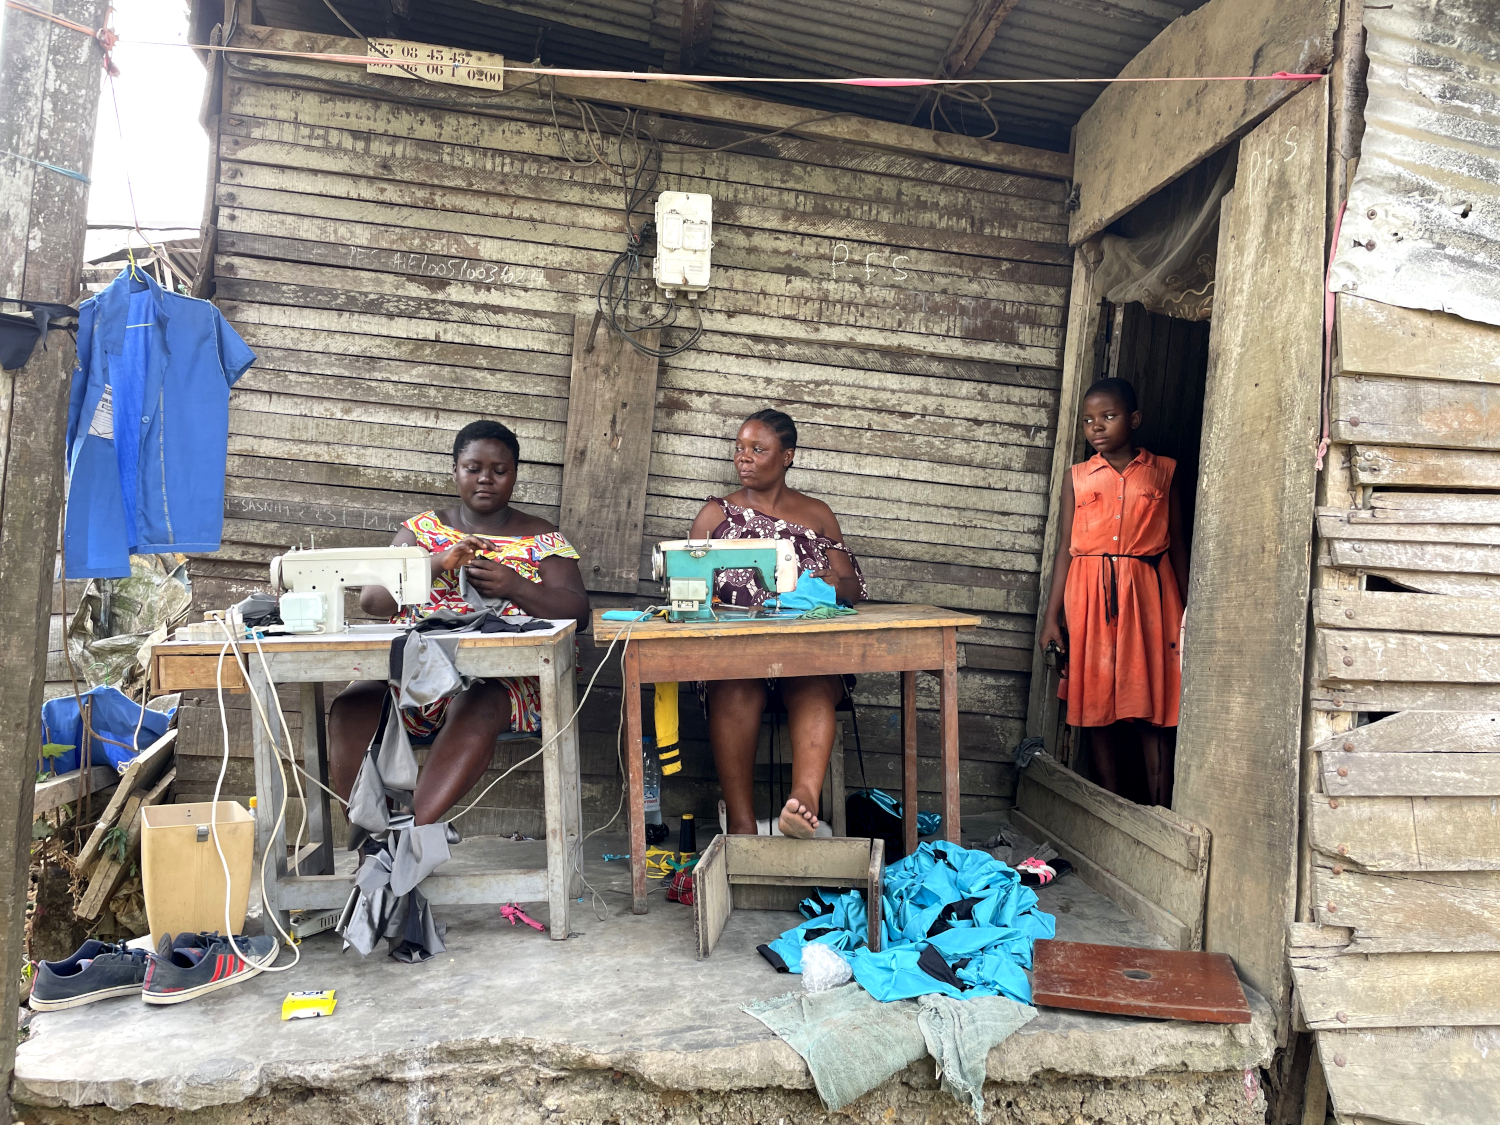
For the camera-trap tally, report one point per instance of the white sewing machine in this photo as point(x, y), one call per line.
point(312, 583)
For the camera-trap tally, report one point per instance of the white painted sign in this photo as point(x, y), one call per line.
point(428, 61)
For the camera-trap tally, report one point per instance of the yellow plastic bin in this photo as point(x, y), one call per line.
point(181, 875)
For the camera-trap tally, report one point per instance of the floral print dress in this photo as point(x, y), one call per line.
point(742, 587)
point(523, 554)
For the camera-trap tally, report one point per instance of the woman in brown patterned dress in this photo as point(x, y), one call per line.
point(765, 508)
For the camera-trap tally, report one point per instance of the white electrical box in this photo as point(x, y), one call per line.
point(684, 241)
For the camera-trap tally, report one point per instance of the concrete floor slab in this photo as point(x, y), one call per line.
point(626, 994)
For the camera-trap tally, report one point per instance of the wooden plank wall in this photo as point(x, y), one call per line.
point(401, 270)
point(1400, 914)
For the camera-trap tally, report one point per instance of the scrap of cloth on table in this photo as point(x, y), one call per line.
point(956, 921)
point(852, 1042)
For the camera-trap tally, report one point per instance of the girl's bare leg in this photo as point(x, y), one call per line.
point(734, 710)
point(810, 701)
point(1105, 748)
point(1160, 753)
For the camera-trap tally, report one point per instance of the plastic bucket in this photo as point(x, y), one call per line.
point(182, 877)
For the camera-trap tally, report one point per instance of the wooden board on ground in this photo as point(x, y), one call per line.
point(1413, 1076)
point(58, 791)
point(611, 409)
point(1121, 980)
point(1337, 990)
point(1409, 912)
point(110, 870)
point(141, 772)
point(1380, 339)
point(711, 897)
point(1239, 740)
point(1139, 137)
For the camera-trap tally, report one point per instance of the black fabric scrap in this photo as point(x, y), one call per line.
point(931, 962)
point(772, 956)
point(19, 334)
point(960, 911)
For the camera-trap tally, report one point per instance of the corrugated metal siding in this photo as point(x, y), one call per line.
point(1422, 229)
point(791, 38)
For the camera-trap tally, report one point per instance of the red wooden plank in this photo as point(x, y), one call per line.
point(1166, 984)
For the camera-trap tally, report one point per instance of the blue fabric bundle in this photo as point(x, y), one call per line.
point(114, 716)
point(956, 922)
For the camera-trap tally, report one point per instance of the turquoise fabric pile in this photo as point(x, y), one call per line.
point(957, 922)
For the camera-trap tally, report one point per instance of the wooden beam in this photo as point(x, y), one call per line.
point(56, 792)
point(1422, 613)
point(1139, 137)
point(1239, 740)
point(1394, 467)
point(1080, 366)
point(1407, 833)
point(693, 101)
point(695, 32)
point(610, 417)
point(1420, 732)
point(970, 42)
point(49, 100)
point(1406, 912)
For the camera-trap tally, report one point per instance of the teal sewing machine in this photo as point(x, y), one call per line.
point(686, 568)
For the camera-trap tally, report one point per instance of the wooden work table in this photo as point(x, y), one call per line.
point(314, 660)
point(879, 638)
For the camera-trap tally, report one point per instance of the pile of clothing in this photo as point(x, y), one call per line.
point(956, 922)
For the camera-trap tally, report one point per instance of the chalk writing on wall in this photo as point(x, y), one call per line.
point(878, 265)
point(432, 265)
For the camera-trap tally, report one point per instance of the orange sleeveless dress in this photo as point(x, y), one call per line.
point(1123, 610)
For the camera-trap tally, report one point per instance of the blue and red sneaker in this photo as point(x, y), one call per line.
point(192, 965)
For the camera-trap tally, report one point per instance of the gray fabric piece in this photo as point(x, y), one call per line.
point(369, 906)
point(852, 1042)
point(428, 671)
point(419, 852)
point(959, 1035)
point(396, 761)
point(367, 799)
point(475, 598)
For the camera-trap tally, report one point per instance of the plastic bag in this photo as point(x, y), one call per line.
point(823, 968)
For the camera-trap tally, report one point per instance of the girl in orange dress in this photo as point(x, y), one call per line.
point(1122, 581)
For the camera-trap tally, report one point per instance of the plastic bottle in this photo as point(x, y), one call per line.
point(656, 829)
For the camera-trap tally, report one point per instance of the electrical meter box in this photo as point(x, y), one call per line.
point(684, 242)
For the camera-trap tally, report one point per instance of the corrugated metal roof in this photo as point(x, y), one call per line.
point(1422, 229)
point(793, 38)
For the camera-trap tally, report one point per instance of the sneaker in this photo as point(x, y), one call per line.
point(193, 965)
point(97, 971)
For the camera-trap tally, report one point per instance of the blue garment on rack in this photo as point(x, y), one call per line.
point(114, 715)
point(955, 921)
point(148, 426)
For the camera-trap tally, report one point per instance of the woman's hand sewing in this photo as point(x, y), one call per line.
point(459, 554)
point(494, 579)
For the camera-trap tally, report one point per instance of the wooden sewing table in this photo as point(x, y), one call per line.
point(879, 638)
point(365, 655)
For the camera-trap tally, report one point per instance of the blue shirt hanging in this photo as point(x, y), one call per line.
point(148, 426)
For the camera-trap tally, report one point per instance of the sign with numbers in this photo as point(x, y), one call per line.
point(436, 64)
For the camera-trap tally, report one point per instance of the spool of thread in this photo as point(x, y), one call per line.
point(687, 839)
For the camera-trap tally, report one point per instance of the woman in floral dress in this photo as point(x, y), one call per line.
point(518, 563)
point(765, 508)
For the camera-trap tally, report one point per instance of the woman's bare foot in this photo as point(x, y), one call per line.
point(797, 819)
